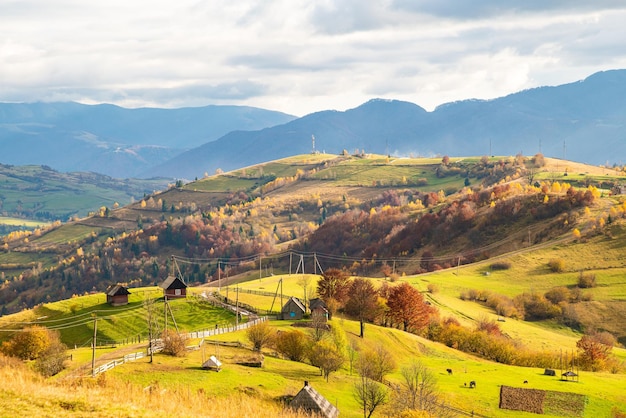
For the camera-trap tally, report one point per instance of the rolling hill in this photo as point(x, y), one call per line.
point(465, 226)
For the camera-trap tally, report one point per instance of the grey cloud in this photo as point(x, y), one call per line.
point(347, 16)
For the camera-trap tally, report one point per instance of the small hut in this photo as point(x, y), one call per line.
point(293, 309)
point(173, 288)
point(212, 364)
point(569, 375)
point(309, 400)
point(318, 308)
point(117, 295)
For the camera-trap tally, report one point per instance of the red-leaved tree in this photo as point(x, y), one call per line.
point(408, 308)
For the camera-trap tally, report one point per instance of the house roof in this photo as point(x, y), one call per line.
point(116, 290)
point(310, 400)
point(212, 363)
point(316, 303)
point(295, 300)
point(173, 282)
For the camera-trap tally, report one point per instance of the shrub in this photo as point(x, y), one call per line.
point(557, 295)
point(174, 343)
point(292, 344)
point(500, 265)
point(433, 288)
point(260, 335)
point(586, 280)
point(557, 265)
point(28, 344)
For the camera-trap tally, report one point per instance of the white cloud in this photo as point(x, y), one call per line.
point(299, 56)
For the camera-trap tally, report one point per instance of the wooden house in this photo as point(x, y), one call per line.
point(309, 400)
point(319, 309)
point(173, 288)
point(293, 309)
point(117, 295)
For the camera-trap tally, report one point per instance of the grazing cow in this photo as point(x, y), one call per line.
point(472, 384)
point(525, 382)
point(449, 371)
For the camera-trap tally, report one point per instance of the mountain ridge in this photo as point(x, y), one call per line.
point(567, 121)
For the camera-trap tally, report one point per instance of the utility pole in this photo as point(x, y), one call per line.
point(93, 346)
point(237, 307)
point(260, 268)
point(219, 277)
point(290, 257)
point(165, 312)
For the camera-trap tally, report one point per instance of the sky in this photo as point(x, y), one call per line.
point(300, 56)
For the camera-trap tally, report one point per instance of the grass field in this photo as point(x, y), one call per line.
point(280, 377)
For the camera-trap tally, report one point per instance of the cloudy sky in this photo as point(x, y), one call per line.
point(300, 56)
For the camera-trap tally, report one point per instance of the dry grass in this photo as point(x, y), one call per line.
point(24, 393)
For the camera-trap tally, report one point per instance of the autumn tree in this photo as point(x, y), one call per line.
point(408, 308)
point(28, 344)
point(327, 356)
point(40, 344)
point(291, 344)
point(260, 335)
point(595, 349)
point(362, 302)
point(333, 284)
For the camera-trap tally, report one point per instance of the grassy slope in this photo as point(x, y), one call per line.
point(528, 272)
point(281, 377)
point(63, 194)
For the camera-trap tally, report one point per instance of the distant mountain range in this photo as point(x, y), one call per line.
point(112, 140)
point(583, 121)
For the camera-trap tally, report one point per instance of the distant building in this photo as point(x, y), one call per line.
point(174, 288)
point(318, 308)
point(309, 400)
point(117, 295)
point(293, 309)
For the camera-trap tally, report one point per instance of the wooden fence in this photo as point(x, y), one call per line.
point(157, 344)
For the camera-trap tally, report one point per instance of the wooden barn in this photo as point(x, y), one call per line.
point(174, 288)
point(117, 295)
point(319, 309)
point(293, 309)
point(309, 400)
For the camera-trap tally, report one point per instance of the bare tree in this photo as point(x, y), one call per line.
point(418, 390)
point(306, 283)
point(369, 394)
point(376, 363)
point(352, 350)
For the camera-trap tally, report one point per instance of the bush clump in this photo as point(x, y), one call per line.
point(557, 265)
point(586, 280)
point(500, 265)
